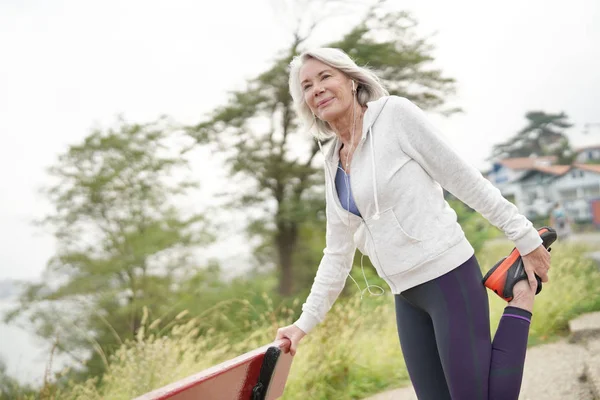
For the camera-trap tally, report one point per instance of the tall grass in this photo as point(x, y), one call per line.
point(353, 354)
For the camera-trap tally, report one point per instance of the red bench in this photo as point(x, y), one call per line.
point(257, 375)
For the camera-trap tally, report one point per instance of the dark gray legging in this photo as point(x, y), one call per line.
point(444, 330)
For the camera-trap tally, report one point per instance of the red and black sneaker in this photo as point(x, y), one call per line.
point(503, 276)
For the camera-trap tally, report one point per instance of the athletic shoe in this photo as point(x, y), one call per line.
point(503, 276)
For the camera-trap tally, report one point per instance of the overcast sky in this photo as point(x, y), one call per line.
point(67, 66)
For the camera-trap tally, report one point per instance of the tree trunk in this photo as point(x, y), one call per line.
point(286, 243)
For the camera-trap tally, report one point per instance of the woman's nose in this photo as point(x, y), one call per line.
point(318, 89)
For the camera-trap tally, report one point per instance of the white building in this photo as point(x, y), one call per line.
point(534, 193)
point(510, 169)
point(505, 174)
point(577, 188)
point(587, 154)
point(535, 185)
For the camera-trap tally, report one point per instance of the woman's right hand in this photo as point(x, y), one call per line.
point(293, 333)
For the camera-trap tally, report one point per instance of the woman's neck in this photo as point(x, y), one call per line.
point(349, 125)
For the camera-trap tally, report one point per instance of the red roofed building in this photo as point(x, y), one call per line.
point(536, 184)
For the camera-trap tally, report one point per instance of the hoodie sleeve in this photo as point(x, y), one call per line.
point(332, 272)
point(422, 142)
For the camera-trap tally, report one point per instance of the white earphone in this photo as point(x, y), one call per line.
point(353, 89)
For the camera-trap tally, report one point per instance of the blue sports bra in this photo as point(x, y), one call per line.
point(344, 191)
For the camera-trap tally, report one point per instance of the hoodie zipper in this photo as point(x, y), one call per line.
point(368, 235)
point(337, 200)
point(375, 216)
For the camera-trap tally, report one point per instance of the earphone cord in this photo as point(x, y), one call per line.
point(347, 180)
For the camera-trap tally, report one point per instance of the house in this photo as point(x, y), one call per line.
point(578, 189)
point(534, 193)
point(510, 169)
point(587, 154)
point(536, 185)
point(505, 174)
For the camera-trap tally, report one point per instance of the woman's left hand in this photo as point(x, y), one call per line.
point(537, 262)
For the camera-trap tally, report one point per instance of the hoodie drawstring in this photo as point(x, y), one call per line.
point(376, 215)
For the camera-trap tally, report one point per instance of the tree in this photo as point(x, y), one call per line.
point(272, 163)
point(544, 135)
point(121, 242)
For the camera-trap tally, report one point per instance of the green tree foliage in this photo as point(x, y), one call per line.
point(544, 135)
point(122, 244)
point(275, 175)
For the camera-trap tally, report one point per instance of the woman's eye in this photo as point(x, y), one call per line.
point(305, 88)
point(325, 76)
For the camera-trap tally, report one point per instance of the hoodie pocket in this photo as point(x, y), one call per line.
point(395, 250)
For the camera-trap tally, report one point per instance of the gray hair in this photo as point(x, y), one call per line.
point(369, 87)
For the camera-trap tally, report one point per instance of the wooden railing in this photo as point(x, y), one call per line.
point(257, 375)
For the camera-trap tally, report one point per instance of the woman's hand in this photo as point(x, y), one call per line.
point(293, 333)
point(537, 262)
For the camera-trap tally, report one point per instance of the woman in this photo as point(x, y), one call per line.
point(384, 177)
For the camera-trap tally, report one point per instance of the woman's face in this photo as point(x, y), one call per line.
point(327, 91)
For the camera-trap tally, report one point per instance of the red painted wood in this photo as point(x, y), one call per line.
point(231, 380)
point(596, 211)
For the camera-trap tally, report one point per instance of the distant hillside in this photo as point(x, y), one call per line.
point(9, 289)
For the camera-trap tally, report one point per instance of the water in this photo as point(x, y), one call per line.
point(25, 355)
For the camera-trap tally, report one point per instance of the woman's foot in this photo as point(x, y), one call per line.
point(523, 295)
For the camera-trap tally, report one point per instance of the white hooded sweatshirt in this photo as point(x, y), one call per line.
point(406, 227)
